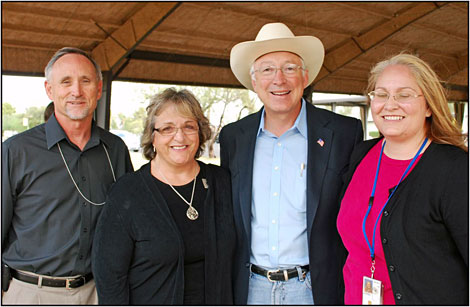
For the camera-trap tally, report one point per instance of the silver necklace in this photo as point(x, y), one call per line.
point(191, 213)
point(76, 186)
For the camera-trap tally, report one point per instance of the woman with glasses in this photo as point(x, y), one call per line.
point(166, 235)
point(404, 209)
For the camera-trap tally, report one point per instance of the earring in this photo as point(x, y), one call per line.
point(154, 150)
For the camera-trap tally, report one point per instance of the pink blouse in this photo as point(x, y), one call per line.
point(353, 209)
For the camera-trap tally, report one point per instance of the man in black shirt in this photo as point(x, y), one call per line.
point(55, 178)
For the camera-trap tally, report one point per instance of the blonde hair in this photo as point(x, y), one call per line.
point(187, 105)
point(441, 126)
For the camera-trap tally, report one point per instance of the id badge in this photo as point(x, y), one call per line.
point(372, 291)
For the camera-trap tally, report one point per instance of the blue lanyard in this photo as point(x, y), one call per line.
point(371, 199)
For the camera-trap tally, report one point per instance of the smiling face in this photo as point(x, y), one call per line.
point(73, 87)
point(179, 149)
point(402, 121)
point(280, 94)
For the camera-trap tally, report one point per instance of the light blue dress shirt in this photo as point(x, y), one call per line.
point(279, 208)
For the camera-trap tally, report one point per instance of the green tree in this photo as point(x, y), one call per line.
point(35, 116)
point(114, 124)
point(210, 96)
point(10, 120)
point(247, 103)
point(7, 109)
point(134, 123)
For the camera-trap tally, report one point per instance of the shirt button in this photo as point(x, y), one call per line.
point(83, 178)
point(386, 213)
point(273, 221)
point(276, 168)
point(398, 296)
point(273, 248)
point(279, 144)
point(384, 241)
point(80, 257)
point(391, 268)
point(275, 194)
point(85, 229)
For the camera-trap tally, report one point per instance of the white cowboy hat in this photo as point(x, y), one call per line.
point(271, 38)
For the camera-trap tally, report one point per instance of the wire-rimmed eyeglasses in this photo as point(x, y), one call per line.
point(269, 71)
point(401, 97)
point(187, 129)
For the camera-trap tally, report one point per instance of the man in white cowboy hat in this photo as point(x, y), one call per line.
point(286, 163)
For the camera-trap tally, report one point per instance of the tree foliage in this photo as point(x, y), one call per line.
point(8, 109)
point(35, 116)
point(223, 98)
point(216, 103)
point(19, 122)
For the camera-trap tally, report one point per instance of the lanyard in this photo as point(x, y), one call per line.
point(371, 200)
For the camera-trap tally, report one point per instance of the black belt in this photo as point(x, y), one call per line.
point(279, 275)
point(68, 283)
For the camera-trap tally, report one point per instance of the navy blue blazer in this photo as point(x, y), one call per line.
point(325, 167)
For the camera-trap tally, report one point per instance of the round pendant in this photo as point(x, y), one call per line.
point(192, 213)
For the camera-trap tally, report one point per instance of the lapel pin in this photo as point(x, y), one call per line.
point(321, 142)
point(204, 182)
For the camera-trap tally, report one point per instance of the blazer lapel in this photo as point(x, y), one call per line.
point(319, 147)
point(246, 142)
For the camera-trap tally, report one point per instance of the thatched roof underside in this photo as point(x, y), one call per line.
point(190, 42)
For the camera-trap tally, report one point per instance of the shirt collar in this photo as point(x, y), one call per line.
point(55, 133)
point(300, 123)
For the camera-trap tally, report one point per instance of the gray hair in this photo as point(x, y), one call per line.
point(70, 50)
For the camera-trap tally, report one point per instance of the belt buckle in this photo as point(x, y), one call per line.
point(268, 275)
point(67, 284)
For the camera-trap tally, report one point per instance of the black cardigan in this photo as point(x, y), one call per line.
point(138, 250)
point(424, 228)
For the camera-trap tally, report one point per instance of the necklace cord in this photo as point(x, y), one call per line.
point(73, 180)
point(190, 204)
point(371, 245)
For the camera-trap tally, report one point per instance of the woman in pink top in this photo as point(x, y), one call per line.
point(404, 210)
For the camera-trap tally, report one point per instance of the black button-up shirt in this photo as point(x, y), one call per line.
point(47, 227)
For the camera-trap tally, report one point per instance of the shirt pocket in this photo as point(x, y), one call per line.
point(300, 192)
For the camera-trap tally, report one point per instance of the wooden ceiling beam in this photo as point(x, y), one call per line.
point(179, 58)
point(356, 46)
point(17, 8)
point(392, 26)
point(125, 39)
point(43, 31)
point(196, 50)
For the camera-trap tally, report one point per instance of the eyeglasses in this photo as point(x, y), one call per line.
point(269, 71)
point(187, 129)
point(400, 97)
